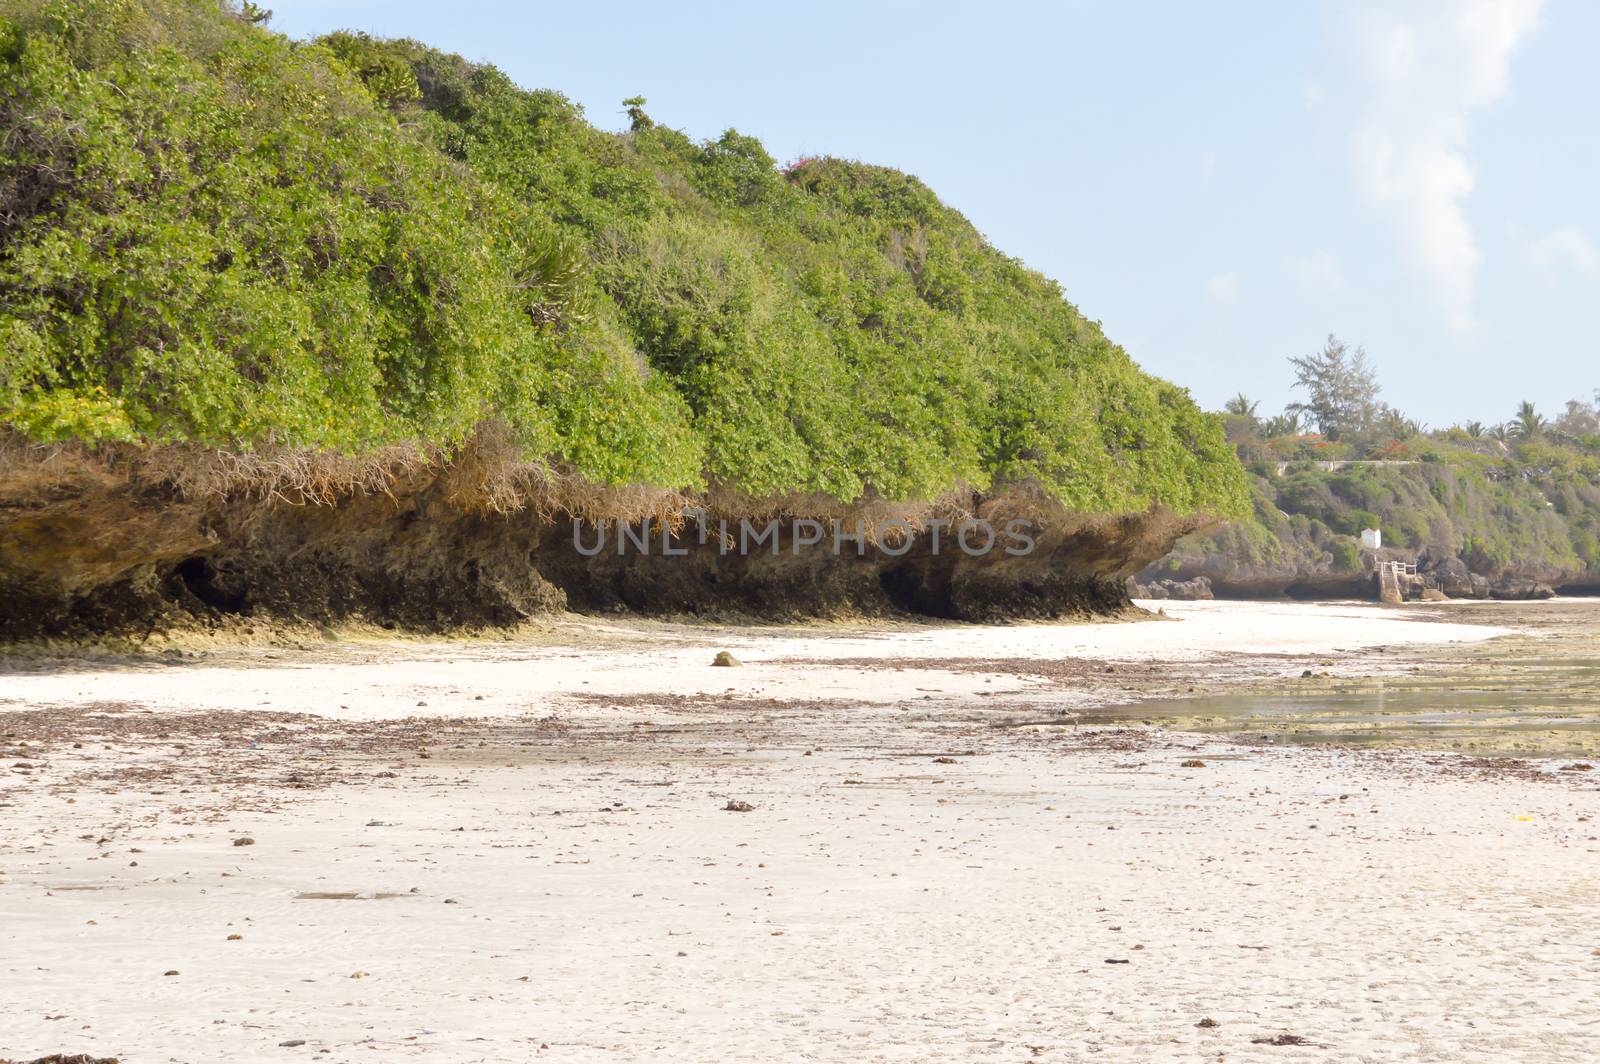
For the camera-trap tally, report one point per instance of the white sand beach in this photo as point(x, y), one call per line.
point(482, 850)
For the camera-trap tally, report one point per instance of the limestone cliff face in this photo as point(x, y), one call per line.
point(93, 544)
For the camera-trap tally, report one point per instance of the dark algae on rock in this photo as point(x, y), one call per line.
point(353, 327)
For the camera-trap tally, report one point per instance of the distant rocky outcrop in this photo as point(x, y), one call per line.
point(1452, 574)
point(1521, 590)
point(1190, 590)
point(1215, 576)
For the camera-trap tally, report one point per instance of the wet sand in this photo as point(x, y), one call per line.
point(523, 850)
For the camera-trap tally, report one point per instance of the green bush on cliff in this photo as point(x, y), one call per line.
point(209, 232)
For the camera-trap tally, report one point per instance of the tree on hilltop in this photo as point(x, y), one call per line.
point(1341, 389)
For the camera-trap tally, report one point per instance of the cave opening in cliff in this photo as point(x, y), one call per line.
point(907, 588)
point(198, 578)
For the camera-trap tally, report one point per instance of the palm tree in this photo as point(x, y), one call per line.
point(1284, 424)
point(1241, 406)
point(1475, 429)
point(1500, 432)
point(1529, 422)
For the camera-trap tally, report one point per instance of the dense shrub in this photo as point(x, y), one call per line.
point(209, 232)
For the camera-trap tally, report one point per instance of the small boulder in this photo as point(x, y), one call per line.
point(725, 660)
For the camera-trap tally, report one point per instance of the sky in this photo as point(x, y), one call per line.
point(1221, 185)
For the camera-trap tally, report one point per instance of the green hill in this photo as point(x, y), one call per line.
point(211, 233)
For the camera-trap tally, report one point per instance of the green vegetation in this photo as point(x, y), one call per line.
point(1523, 496)
point(211, 233)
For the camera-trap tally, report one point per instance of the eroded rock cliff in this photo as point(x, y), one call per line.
point(143, 539)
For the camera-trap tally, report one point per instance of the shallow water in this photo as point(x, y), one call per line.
point(1536, 694)
point(1488, 721)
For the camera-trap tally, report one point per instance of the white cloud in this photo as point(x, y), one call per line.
point(1317, 274)
point(1223, 288)
point(1568, 247)
point(1427, 66)
point(1315, 97)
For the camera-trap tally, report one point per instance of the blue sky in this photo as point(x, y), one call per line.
point(1221, 185)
